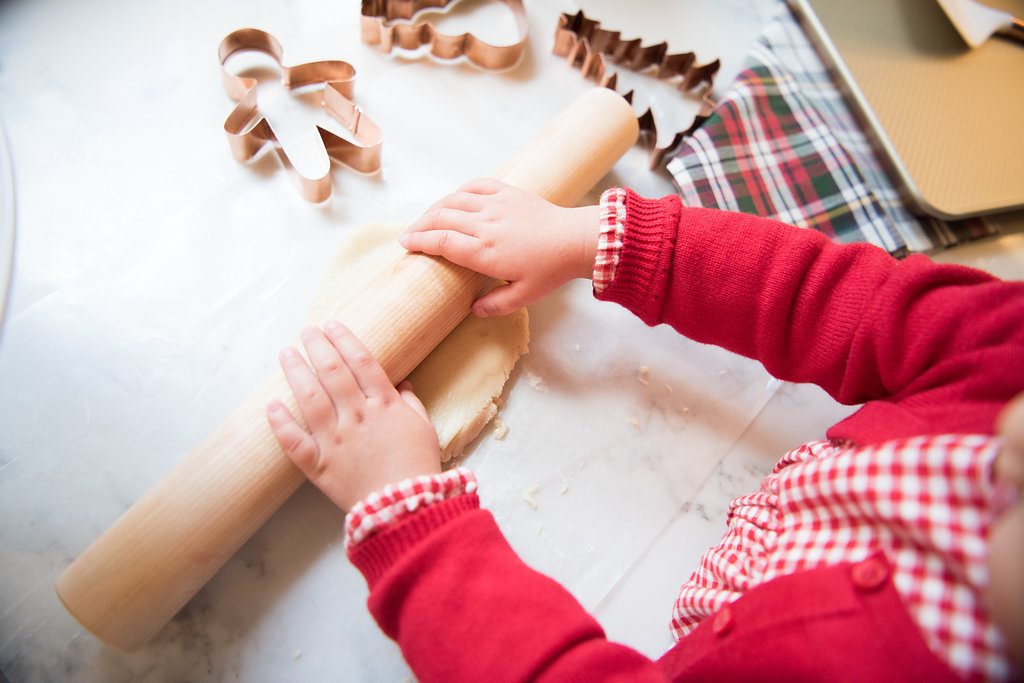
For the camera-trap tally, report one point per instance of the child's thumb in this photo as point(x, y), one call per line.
point(405, 391)
point(500, 301)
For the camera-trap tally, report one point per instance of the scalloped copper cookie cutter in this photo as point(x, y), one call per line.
point(248, 131)
point(379, 28)
point(585, 45)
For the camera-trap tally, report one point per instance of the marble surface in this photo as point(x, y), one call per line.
point(155, 279)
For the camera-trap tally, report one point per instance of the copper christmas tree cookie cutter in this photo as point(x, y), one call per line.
point(587, 46)
point(248, 131)
point(378, 25)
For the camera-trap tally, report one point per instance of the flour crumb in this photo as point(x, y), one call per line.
point(565, 489)
point(576, 347)
point(686, 409)
point(668, 388)
point(296, 654)
point(633, 421)
point(536, 381)
point(644, 377)
point(500, 429)
point(528, 495)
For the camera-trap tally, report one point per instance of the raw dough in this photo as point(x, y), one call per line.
point(461, 380)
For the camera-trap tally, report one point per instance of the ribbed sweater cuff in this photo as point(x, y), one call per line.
point(646, 258)
point(376, 554)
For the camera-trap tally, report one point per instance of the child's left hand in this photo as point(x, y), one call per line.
point(363, 433)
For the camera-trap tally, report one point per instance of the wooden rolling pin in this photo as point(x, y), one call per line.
point(138, 574)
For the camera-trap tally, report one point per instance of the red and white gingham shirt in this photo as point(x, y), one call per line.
point(396, 501)
point(609, 239)
point(926, 502)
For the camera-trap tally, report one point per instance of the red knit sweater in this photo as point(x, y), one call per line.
point(928, 348)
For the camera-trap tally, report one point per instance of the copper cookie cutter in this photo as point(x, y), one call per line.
point(248, 131)
point(587, 46)
point(379, 28)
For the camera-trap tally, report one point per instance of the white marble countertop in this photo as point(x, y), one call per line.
point(155, 278)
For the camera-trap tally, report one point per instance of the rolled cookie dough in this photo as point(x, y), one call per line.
point(461, 379)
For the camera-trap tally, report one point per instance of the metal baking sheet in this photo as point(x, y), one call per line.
point(946, 118)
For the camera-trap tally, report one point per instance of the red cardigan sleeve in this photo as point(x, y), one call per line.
point(931, 348)
point(445, 584)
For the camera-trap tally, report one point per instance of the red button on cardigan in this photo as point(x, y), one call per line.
point(869, 574)
point(723, 621)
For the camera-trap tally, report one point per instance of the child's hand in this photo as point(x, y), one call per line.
point(510, 234)
point(1004, 591)
point(363, 433)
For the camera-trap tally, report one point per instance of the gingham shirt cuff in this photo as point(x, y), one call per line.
point(394, 502)
point(609, 240)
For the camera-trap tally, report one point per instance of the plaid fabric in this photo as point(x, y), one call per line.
point(926, 502)
point(395, 501)
point(783, 144)
point(609, 240)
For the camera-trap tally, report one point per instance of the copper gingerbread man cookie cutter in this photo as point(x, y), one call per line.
point(249, 131)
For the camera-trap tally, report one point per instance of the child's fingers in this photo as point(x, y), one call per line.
point(443, 218)
point(460, 201)
point(334, 374)
point(372, 379)
point(406, 392)
point(501, 301)
point(1009, 466)
point(454, 246)
point(1010, 423)
point(296, 443)
point(312, 398)
point(483, 186)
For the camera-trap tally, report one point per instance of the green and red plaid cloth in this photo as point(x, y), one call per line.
point(784, 144)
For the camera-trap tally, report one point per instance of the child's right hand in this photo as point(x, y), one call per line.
point(363, 432)
point(509, 234)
